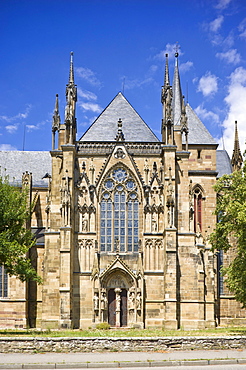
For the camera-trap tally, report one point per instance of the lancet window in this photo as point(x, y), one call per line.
point(197, 210)
point(119, 212)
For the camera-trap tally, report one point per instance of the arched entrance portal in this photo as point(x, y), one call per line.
point(117, 307)
point(117, 284)
point(120, 295)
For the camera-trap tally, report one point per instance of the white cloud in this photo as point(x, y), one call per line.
point(184, 67)
point(4, 147)
point(222, 4)
point(204, 114)
point(17, 116)
point(235, 101)
point(216, 24)
point(32, 127)
point(11, 128)
point(208, 84)
point(243, 34)
point(131, 84)
point(229, 40)
point(230, 56)
point(242, 28)
point(170, 50)
point(88, 95)
point(38, 126)
point(153, 68)
point(88, 75)
point(93, 107)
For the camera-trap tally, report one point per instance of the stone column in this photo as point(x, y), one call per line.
point(117, 309)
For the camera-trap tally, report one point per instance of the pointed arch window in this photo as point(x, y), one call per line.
point(119, 208)
point(197, 210)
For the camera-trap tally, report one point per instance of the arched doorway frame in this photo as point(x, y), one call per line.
point(118, 285)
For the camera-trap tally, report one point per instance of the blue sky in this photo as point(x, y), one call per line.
point(119, 45)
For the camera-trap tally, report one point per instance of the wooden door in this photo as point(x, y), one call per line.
point(123, 308)
point(111, 307)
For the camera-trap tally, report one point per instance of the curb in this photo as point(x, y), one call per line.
point(117, 364)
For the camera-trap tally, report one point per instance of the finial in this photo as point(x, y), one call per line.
point(57, 105)
point(177, 50)
point(166, 77)
point(120, 135)
point(71, 73)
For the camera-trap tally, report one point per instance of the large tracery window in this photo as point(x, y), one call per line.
point(119, 212)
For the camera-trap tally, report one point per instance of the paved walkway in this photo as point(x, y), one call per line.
point(119, 359)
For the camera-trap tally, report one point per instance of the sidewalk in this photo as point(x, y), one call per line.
point(119, 359)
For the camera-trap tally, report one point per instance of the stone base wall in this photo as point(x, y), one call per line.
point(13, 314)
point(29, 345)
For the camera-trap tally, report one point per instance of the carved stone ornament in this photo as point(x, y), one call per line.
point(119, 153)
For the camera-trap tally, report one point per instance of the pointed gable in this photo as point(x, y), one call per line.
point(105, 127)
point(198, 134)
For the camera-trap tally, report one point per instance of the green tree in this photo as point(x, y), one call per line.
point(230, 231)
point(15, 239)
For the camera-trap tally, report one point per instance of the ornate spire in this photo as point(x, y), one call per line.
point(177, 94)
point(166, 100)
point(237, 158)
point(71, 97)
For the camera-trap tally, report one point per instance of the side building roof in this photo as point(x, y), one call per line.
point(105, 127)
point(15, 163)
point(223, 163)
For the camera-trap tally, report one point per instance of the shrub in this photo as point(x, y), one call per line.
point(103, 326)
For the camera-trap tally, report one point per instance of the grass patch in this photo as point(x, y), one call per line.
point(122, 333)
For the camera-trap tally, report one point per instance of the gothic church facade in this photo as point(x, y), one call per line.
point(122, 222)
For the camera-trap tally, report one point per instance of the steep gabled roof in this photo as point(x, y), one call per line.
point(198, 134)
point(105, 127)
point(223, 163)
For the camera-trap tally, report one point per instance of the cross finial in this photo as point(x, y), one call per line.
point(177, 47)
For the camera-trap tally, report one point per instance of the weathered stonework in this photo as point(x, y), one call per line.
point(131, 344)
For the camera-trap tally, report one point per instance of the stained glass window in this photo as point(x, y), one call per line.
point(119, 212)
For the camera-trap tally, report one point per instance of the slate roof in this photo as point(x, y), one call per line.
point(15, 163)
point(198, 134)
point(105, 127)
point(223, 163)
